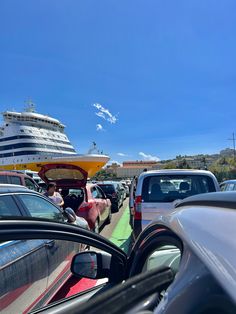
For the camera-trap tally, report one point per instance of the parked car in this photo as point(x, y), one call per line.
point(18, 178)
point(122, 188)
point(155, 192)
point(87, 200)
point(50, 257)
point(182, 263)
point(228, 185)
point(114, 192)
point(126, 187)
point(19, 201)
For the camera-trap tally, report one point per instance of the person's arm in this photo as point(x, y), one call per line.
point(62, 201)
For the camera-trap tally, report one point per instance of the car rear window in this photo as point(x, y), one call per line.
point(107, 188)
point(167, 188)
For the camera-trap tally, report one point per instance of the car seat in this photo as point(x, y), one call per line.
point(71, 201)
point(156, 193)
point(184, 186)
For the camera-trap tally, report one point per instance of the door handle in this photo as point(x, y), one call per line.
point(50, 244)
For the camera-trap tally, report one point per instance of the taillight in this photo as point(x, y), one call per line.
point(138, 207)
point(85, 206)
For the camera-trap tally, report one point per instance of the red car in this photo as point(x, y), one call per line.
point(87, 200)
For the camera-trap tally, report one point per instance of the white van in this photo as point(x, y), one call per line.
point(154, 192)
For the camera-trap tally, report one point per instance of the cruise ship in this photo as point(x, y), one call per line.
point(29, 140)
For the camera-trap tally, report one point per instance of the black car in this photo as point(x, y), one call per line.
point(115, 192)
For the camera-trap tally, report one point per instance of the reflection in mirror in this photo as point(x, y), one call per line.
point(166, 255)
point(36, 272)
point(85, 265)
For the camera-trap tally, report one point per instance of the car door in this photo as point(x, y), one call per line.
point(59, 255)
point(30, 184)
point(27, 229)
point(104, 209)
point(18, 260)
point(98, 204)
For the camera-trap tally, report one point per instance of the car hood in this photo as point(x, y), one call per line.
point(64, 175)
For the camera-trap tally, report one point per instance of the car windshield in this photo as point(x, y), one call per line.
point(167, 188)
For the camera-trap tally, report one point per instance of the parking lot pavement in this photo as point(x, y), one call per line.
point(119, 230)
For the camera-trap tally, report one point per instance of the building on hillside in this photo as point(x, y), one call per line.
point(130, 169)
point(197, 162)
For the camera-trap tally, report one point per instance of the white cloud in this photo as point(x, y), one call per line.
point(105, 114)
point(121, 154)
point(99, 127)
point(100, 114)
point(149, 157)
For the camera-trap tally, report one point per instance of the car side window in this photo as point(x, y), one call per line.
point(229, 187)
point(100, 193)
point(40, 208)
point(94, 192)
point(3, 179)
point(8, 206)
point(15, 180)
point(30, 184)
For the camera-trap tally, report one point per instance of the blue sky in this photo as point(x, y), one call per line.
point(164, 70)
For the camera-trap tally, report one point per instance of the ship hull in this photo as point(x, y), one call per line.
point(90, 163)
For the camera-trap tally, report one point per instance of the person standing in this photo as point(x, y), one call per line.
point(53, 195)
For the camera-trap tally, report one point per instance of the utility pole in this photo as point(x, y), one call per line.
point(233, 139)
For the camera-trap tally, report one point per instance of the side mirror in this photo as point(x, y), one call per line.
point(93, 265)
point(69, 214)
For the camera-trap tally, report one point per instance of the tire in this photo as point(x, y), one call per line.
point(108, 221)
point(96, 227)
point(115, 208)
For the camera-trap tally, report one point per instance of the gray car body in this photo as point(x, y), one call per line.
point(205, 225)
point(208, 235)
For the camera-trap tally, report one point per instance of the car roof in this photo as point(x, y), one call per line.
point(14, 173)
point(12, 188)
point(210, 232)
point(176, 171)
point(107, 182)
point(216, 199)
point(229, 181)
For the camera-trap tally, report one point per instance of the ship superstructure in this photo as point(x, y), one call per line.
point(29, 139)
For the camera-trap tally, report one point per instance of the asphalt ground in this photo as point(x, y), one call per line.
point(119, 231)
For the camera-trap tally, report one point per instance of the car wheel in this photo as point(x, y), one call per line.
point(96, 227)
point(115, 208)
point(108, 221)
